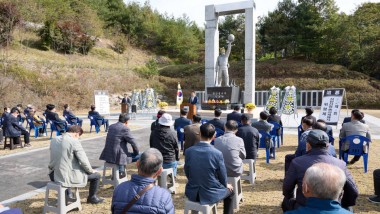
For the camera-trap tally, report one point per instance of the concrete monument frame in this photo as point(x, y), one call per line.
point(212, 13)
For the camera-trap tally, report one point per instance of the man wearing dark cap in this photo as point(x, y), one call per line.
point(316, 146)
point(155, 124)
point(250, 136)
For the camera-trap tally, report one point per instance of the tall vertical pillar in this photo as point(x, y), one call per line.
point(211, 45)
point(250, 57)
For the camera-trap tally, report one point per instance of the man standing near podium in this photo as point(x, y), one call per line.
point(193, 99)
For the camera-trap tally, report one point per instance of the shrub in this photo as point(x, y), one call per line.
point(66, 36)
point(9, 18)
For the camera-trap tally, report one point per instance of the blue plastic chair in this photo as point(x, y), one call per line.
point(276, 137)
point(53, 128)
point(204, 121)
point(218, 133)
point(71, 122)
point(34, 127)
point(180, 136)
point(94, 122)
point(355, 148)
point(263, 138)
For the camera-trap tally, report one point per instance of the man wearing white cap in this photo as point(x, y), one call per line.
point(164, 139)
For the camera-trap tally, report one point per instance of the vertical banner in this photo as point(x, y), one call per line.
point(331, 105)
point(289, 103)
point(179, 95)
point(102, 102)
point(274, 99)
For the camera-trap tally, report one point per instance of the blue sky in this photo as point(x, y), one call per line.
point(195, 8)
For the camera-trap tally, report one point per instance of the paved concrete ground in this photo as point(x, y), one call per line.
point(25, 172)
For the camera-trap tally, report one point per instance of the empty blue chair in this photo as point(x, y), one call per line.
point(357, 144)
point(276, 133)
point(180, 136)
point(264, 138)
point(34, 127)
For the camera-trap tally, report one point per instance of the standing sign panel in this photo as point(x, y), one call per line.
point(331, 105)
point(102, 102)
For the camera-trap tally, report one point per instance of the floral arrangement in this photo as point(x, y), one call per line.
point(218, 101)
point(162, 104)
point(250, 106)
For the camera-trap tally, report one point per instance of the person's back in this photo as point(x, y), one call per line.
point(217, 122)
point(235, 115)
point(250, 136)
point(164, 140)
point(204, 165)
point(155, 199)
point(232, 148)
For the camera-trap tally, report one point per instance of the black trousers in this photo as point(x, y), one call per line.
point(376, 181)
point(26, 136)
point(228, 205)
point(288, 160)
point(94, 180)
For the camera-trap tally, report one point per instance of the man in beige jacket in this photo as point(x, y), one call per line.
point(69, 164)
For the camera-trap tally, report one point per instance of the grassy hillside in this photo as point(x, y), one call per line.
point(362, 91)
point(29, 75)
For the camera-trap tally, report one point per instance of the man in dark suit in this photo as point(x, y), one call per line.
point(51, 115)
point(69, 114)
point(217, 122)
point(115, 149)
point(12, 128)
point(250, 136)
point(263, 125)
point(206, 172)
point(235, 115)
point(181, 122)
point(193, 99)
point(99, 119)
point(273, 116)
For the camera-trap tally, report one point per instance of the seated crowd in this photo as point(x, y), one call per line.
point(12, 122)
point(322, 182)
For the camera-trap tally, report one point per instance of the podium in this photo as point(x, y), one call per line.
point(124, 108)
point(192, 109)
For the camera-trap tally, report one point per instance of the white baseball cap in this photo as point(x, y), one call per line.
point(166, 120)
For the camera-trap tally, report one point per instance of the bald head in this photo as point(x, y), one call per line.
point(150, 162)
point(323, 181)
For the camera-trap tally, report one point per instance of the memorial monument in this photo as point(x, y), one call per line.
point(216, 66)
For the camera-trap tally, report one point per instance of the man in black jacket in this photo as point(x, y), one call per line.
point(235, 115)
point(217, 122)
point(99, 118)
point(250, 136)
point(12, 128)
point(165, 140)
point(51, 115)
point(71, 116)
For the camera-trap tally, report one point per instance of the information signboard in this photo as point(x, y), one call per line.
point(331, 105)
point(102, 102)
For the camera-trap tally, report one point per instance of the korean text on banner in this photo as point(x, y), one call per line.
point(331, 105)
point(102, 102)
